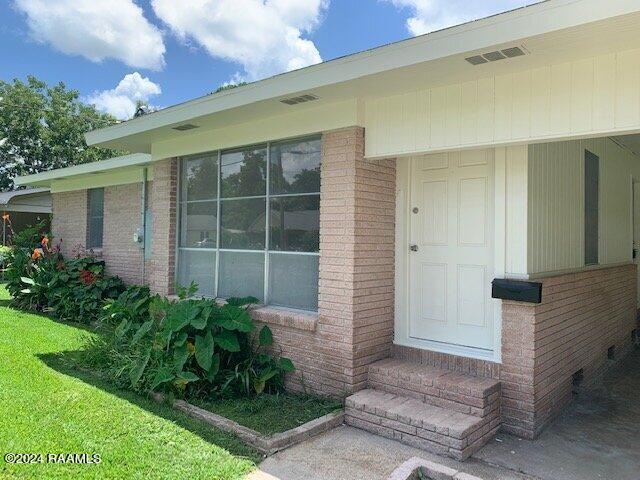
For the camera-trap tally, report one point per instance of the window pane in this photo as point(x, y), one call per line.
point(200, 178)
point(293, 280)
point(95, 232)
point(295, 223)
point(295, 167)
point(96, 202)
point(244, 173)
point(199, 225)
point(198, 267)
point(243, 224)
point(591, 211)
point(241, 275)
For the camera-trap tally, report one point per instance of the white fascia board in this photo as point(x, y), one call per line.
point(537, 19)
point(45, 178)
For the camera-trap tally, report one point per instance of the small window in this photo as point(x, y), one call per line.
point(96, 218)
point(591, 207)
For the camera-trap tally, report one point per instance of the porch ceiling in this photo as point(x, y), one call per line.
point(552, 32)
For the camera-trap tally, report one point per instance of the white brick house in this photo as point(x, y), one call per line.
point(370, 201)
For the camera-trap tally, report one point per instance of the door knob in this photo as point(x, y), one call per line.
point(413, 247)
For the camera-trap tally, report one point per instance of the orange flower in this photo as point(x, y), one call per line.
point(45, 241)
point(37, 253)
point(5, 217)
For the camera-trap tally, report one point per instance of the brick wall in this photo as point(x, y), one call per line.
point(580, 317)
point(354, 324)
point(163, 203)
point(69, 220)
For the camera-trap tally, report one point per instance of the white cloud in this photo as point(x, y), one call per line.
point(96, 29)
point(264, 36)
point(430, 15)
point(121, 101)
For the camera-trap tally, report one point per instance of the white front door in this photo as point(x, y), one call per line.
point(451, 255)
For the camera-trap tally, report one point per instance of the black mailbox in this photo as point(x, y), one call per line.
point(516, 290)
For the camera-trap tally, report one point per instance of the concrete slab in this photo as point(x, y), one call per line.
point(347, 453)
point(596, 438)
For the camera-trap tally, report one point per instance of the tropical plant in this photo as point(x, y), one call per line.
point(187, 346)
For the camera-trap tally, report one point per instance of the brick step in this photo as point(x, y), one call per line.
point(419, 424)
point(475, 396)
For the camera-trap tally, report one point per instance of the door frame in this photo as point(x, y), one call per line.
point(402, 258)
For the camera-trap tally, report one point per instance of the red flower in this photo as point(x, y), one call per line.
point(37, 253)
point(44, 241)
point(5, 217)
point(87, 277)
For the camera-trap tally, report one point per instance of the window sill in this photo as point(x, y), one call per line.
point(286, 317)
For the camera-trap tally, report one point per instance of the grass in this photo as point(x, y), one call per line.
point(47, 409)
point(269, 414)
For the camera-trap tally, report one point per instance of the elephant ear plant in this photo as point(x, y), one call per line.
point(187, 346)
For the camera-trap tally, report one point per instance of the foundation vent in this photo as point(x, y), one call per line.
point(496, 55)
point(611, 352)
point(300, 99)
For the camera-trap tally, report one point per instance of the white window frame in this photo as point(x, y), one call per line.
point(183, 202)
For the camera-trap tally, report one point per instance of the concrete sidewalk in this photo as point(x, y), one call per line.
point(347, 453)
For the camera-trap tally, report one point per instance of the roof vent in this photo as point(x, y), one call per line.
point(185, 126)
point(510, 52)
point(300, 99)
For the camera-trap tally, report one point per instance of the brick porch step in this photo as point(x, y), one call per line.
point(419, 424)
point(475, 396)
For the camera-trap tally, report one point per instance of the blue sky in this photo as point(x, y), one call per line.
point(168, 51)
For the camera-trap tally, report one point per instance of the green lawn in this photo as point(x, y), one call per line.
point(270, 414)
point(47, 409)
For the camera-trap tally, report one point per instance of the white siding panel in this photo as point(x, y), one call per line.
point(516, 210)
point(594, 96)
point(556, 203)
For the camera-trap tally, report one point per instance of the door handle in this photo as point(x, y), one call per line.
point(413, 247)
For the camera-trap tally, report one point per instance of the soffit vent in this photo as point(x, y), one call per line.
point(300, 99)
point(496, 55)
point(185, 126)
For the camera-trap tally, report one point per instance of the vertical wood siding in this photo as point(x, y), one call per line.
point(590, 96)
point(556, 203)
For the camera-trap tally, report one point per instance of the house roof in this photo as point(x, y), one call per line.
point(37, 200)
point(440, 54)
point(102, 166)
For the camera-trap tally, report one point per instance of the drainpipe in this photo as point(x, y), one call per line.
point(143, 202)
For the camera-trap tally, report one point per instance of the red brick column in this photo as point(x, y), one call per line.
point(581, 316)
point(357, 222)
point(163, 202)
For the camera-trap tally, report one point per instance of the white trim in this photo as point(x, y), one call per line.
point(45, 178)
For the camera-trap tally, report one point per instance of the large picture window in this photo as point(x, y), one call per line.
point(250, 223)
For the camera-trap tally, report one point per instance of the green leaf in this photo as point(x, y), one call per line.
point(139, 366)
point(180, 339)
point(204, 350)
point(234, 318)
point(200, 321)
point(162, 376)
point(286, 364)
point(188, 376)
point(180, 315)
point(27, 280)
point(227, 341)
point(142, 331)
point(122, 328)
point(266, 337)
point(258, 385)
point(180, 356)
point(214, 368)
point(242, 301)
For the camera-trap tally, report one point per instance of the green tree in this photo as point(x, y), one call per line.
point(42, 128)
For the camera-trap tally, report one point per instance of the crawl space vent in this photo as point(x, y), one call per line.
point(300, 99)
point(510, 52)
point(185, 126)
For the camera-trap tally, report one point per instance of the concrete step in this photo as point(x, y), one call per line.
point(419, 424)
point(475, 396)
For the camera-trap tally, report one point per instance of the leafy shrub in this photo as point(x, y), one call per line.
point(187, 346)
point(39, 278)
